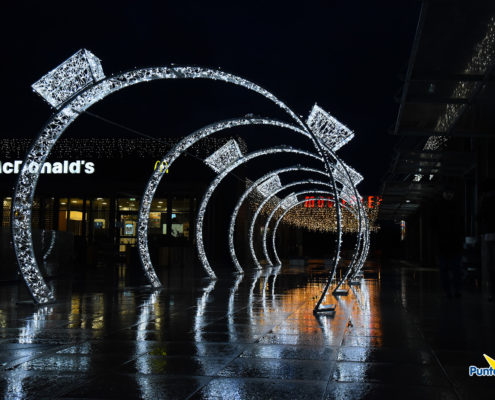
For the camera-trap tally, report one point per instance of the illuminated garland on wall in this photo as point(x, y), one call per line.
point(323, 219)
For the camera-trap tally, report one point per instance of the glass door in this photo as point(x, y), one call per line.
point(127, 230)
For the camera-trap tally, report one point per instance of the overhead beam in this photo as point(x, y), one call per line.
point(435, 100)
point(436, 77)
point(436, 133)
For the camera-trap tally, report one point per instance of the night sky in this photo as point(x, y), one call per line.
point(345, 55)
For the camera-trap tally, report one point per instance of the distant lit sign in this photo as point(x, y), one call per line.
point(59, 167)
point(372, 202)
point(76, 216)
point(159, 164)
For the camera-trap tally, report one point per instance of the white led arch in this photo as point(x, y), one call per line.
point(182, 146)
point(343, 176)
point(247, 192)
point(318, 307)
point(258, 211)
point(71, 89)
point(361, 248)
point(218, 179)
point(280, 204)
point(274, 249)
point(228, 154)
point(216, 162)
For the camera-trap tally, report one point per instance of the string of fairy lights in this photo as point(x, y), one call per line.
point(320, 218)
point(115, 148)
point(324, 219)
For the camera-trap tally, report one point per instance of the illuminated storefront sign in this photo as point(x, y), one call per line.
point(59, 167)
point(160, 164)
point(371, 201)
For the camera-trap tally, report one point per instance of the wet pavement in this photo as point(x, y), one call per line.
point(248, 337)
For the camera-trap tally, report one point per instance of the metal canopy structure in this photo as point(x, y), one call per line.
point(447, 93)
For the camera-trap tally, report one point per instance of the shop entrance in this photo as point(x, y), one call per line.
point(127, 232)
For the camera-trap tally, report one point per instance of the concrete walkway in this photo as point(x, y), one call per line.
point(251, 337)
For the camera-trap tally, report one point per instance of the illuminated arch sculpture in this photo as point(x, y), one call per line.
point(215, 164)
point(230, 153)
point(291, 201)
point(264, 185)
point(362, 251)
point(342, 179)
point(227, 167)
point(258, 211)
point(356, 263)
point(359, 246)
point(76, 85)
point(271, 186)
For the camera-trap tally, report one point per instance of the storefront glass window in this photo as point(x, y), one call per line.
point(7, 203)
point(128, 204)
point(100, 216)
point(35, 213)
point(62, 213)
point(181, 216)
point(158, 217)
point(48, 213)
point(76, 216)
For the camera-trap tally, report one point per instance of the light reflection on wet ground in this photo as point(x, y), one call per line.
point(246, 337)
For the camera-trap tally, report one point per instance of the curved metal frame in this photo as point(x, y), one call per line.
point(56, 125)
point(353, 211)
point(244, 196)
point(168, 160)
point(69, 108)
point(364, 252)
point(218, 179)
point(258, 211)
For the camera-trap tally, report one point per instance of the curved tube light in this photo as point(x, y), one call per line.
point(169, 159)
point(278, 262)
point(330, 278)
point(255, 186)
point(72, 88)
point(260, 207)
point(213, 185)
point(268, 220)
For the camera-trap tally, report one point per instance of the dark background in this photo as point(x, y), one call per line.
point(344, 55)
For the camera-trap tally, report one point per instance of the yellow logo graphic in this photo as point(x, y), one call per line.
point(475, 371)
point(490, 361)
point(160, 165)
